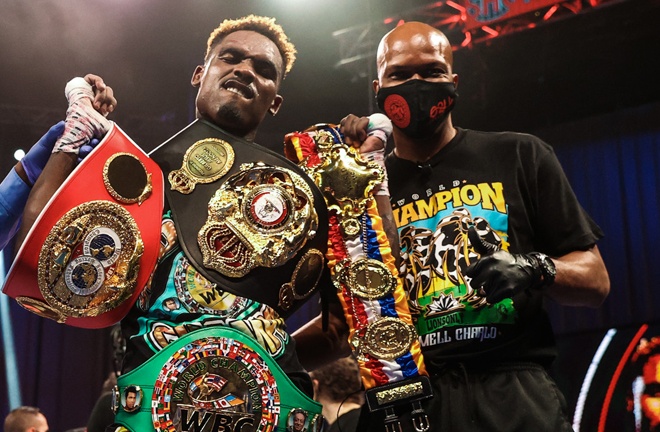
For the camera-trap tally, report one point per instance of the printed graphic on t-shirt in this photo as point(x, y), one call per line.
point(435, 252)
point(189, 302)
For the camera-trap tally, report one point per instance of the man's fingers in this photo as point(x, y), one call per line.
point(95, 81)
point(354, 129)
point(480, 246)
point(105, 100)
point(104, 97)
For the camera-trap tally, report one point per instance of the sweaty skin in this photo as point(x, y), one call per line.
point(238, 83)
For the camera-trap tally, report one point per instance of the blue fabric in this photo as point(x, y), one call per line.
point(613, 163)
point(13, 196)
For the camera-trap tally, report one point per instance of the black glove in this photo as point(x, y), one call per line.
point(498, 274)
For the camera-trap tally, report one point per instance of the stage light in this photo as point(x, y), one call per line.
point(18, 154)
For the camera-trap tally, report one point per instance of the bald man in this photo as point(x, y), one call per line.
point(489, 228)
point(26, 419)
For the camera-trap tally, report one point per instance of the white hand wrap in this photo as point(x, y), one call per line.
point(83, 122)
point(381, 127)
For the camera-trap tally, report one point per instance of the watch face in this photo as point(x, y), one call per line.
point(551, 265)
point(548, 268)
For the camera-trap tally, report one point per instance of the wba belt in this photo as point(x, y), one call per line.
point(85, 255)
point(210, 380)
point(248, 219)
point(363, 269)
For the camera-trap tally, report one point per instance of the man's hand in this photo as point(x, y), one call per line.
point(83, 121)
point(104, 100)
point(499, 274)
point(368, 134)
point(35, 159)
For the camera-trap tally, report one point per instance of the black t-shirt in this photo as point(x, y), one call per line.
point(346, 422)
point(512, 188)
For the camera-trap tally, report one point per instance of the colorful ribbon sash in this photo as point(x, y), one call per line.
point(363, 269)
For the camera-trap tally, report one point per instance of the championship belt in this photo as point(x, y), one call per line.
point(94, 245)
point(248, 219)
point(364, 271)
point(212, 379)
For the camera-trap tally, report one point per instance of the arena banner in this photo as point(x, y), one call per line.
point(487, 12)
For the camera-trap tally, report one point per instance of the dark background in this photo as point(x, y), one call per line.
point(598, 61)
point(584, 82)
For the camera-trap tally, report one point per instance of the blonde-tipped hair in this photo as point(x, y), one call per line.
point(260, 24)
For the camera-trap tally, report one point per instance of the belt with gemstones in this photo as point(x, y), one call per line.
point(364, 271)
point(95, 244)
point(209, 380)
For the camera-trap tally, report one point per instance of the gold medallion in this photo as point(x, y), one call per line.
point(126, 178)
point(261, 216)
point(307, 274)
point(366, 278)
point(204, 162)
point(89, 262)
point(346, 180)
point(388, 338)
point(286, 296)
point(304, 280)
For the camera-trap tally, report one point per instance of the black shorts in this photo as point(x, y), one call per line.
point(507, 398)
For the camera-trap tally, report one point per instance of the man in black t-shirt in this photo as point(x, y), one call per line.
point(489, 226)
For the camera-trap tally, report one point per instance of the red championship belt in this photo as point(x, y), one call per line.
point(96, 242)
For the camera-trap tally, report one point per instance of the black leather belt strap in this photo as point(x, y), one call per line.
point(190, 212)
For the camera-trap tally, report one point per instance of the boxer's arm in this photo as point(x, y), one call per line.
point(83, 124)
point(369, 135)
point(57, 169)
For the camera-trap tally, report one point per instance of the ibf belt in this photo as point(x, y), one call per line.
point(364, 271)
point(96, 242)
point(248, 219)
point(212, 380)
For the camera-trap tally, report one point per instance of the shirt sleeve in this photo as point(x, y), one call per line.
point(562, 224)
point(13, 196)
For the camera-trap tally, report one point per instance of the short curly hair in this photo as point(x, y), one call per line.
point(340, 380)
point(260, 24)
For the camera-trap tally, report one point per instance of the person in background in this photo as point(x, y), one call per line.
point(338, 388)
point(25, 419)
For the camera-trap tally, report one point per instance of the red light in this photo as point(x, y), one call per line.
point(490, 31)
point(456, 6)
point(467, 40)
point(550, 12)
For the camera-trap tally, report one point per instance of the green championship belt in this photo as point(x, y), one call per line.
point(213, 379)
